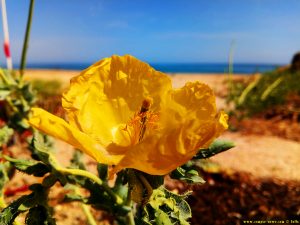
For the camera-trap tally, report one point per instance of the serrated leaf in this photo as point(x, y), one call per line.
point(29, 166)
point(8, 214)
point(188, 175)
point(42, 152)
point(38, 198)
point(165, 207)
point(216, 147)
point(162, 218)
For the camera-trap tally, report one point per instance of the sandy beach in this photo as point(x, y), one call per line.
point(215, 81)
point(179, 79)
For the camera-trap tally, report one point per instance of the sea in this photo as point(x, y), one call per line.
point(238, 68)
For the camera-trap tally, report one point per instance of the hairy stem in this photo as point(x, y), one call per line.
point(86, 209)
point(90, 218)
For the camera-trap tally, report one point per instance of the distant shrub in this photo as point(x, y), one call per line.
point(47, 88)
point(49, 95)
point(274, 90)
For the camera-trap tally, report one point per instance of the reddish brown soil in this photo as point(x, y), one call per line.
point(232, 199)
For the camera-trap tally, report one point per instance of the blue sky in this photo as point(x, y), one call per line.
point(264, 31)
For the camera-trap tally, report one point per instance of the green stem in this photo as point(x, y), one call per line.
point(88, 214)
point(84, 173)
point(86, 209)
point(26, 39)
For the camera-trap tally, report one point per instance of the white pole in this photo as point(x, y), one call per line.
point(6, 36)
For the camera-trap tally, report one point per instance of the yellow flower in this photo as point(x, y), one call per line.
point(122, 112)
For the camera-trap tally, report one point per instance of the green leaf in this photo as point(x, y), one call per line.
point(7, 77)
point(8, 214)
point(120, 188)
point(162, 218)
point(23, 124)
point(102, 171)
point(39, 215)
point(5, 135)
point(3, 176)
point(4, 94)
point(37, 200)
point(188, 174)
point(41, 151)
point(74, 197)
point(29, 166)
point(216, 147)
point(165, 207)
point(49, 181)
point(208, 166)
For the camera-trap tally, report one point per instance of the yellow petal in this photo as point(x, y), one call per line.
point(189, 122)
point(57, 127)
point(106, 96)
point(109, 92)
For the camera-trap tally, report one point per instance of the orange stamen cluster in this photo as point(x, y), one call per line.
point(142, 121)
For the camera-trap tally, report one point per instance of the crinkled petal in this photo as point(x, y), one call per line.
point(189, 122)
point(192, 109)
point(57, 127)
point(110, 92)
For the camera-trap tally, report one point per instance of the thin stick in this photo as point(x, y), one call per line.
point(26, 38)
point(6, 36)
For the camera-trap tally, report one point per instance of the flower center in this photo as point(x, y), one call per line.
point(143, 121)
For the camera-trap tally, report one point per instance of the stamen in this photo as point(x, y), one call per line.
point(144, 116)
point(142, 120)
point(147, 102)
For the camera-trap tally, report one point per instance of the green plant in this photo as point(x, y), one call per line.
point(268, 91)
point(154, 204)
